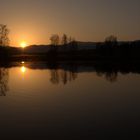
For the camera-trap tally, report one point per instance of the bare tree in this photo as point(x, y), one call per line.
point(111, 40)
point(64, 39)
point(4, 32)
point(55, 39)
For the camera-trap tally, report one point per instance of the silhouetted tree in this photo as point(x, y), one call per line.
point(64, 39)
point(55, 39)
point(4, 31)
point(111, 41)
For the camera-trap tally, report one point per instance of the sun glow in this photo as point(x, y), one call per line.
point(23, 44)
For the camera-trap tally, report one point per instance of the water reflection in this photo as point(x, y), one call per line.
point(90, 105)
point(66, 72)
point(61, 75)
point(22, 62)
point(109, 76)
point(4, 77)
point(23, 69)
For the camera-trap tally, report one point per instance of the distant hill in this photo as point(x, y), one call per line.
point(45, 48)
point(37, 49)
point(81, 46)
point(86, 45)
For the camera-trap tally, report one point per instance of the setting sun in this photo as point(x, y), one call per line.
point(23, 44)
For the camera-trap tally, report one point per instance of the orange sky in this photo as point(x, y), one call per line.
point(34, 21)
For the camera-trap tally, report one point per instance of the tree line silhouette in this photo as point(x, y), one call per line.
point(62, 44)
point(113, 49)
point(66, 48)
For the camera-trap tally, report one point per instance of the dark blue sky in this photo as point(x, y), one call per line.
point(87, 20)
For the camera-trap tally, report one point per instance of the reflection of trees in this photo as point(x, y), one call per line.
point(110, 76)
point(61, 75)
point(4, 77)
point(54, 76)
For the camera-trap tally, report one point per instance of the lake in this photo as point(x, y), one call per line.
point(69, 100)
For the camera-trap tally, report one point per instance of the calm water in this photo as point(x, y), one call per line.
point(68, 100)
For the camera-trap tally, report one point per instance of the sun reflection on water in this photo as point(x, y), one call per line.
point(22, 62)
point(23, 69)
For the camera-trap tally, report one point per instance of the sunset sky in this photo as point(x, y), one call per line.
point(34, 21)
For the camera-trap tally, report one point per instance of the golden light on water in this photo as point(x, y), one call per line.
point(23, 44)
point(23, 69)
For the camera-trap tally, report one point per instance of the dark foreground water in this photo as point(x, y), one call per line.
point(69, 101)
